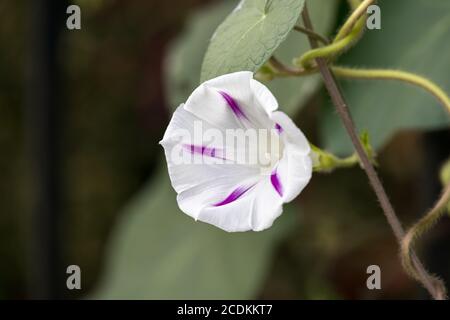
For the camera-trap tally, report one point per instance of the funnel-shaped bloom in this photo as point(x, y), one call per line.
point(232, 158)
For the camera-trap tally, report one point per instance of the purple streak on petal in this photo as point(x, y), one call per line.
point(276, 183)
point(278, 128)
point(233, 105)
point(233, 196)
point(203, 150)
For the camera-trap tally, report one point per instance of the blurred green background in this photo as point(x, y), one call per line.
point(123, 74)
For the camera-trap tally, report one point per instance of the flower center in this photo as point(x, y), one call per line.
point(270, 151)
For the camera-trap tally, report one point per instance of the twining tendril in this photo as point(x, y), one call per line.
point(416, 231)
point(347, 36)
point(282, 70)
point(403, 76)
point(360, 11)
point(423, 225)
point(434, 286)
point(332, 50)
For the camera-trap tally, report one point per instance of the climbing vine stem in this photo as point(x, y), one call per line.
point(280, 69)
point(360, 11)
point(433, 285)
point(347, 36)
point(416, 231)
point(386, 74)
point(313, 34)
point(331, 50)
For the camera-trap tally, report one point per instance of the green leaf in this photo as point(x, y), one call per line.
point(414, 37)
point(293, 93)
point(249, 36)
point(185, 58)
point(158, 252)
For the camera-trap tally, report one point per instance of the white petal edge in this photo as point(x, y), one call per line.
point(264, 97)
point(207, 103)
point(294, 172)
point(256, 210)
point(291, 134)
point(295, 167)
point(207, 195)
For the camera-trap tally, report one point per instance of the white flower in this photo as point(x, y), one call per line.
point(236, 184)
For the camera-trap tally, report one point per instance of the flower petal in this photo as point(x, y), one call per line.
point(191, 161)
point(233, 196)
point(264, 97)
point(234, 192)
point(233, 217)
point(294, 172)
point(228, 102)
point(295, 167)
point(292, 134)
point(217, 194)
point(267, 205)
point(255, 209)
point(276, 183)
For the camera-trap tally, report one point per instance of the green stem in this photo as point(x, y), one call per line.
point(348, 26)
point(331, 50)
point(347, 162)
point(324, 161)
point(342, 110)
point(354, 3)
point(347, 36)
point(280, 69)
point(371, 74)
point(416, 231)
point(407, 77)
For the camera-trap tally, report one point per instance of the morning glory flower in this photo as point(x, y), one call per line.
point(232, 158)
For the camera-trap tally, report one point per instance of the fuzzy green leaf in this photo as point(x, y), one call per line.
point(249, 36)
point(185, 58)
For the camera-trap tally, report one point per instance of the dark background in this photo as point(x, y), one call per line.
point(81, 113)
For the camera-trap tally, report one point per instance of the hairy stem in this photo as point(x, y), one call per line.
point(327, 162)
point(384, 74)
point(359, 12)
point(331, 50)
point(371, 74)
point(416, 231)
point(375, 182)
point(340, 44)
